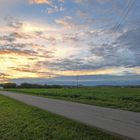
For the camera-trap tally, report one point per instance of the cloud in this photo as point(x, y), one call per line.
point(130, 38)
point(124, 51)
point(7, 38)
point(35, 49)
point(13, 22)
point(92, 1)
point(99, 56)
point(77, 41)
point(25, 49)
point(3, 75)
point(55, 9)
point(61, 1)
point(48, 2)
point(35, 70)
point(64, 64)
point(66, 22)
point(112, 56)
point(14, 36)
point(17, 52)
point(130, 41)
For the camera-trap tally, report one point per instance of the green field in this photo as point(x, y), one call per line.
point(22, 122)
point(114, 97)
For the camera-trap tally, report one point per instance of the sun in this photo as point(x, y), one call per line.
point(31, 28)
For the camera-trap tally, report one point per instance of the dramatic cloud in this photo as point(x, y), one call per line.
point(56, 38)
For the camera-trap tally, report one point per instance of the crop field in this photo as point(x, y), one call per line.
point(19, 121)
point(125, 98)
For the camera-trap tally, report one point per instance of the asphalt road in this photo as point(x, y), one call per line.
point(121, 122)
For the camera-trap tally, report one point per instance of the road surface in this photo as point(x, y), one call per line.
point(121, 122)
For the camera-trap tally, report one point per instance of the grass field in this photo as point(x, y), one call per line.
point(22, 122)
point(114, 97)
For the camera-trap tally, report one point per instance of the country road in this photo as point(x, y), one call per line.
point(121, 122)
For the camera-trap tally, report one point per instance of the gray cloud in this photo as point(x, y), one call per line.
point(13, 36)
point(7, 38)
point(64, 64)
point(125, 51)
point(14, 22)
point(24, 49)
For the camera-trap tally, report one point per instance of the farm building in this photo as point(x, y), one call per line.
point(1, 87)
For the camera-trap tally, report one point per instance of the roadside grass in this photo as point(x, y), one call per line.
point(19, 121)
point(125, 98)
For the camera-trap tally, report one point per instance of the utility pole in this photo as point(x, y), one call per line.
point(77, 80)
point(77, 76)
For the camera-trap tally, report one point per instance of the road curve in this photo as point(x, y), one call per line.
point(121, 122)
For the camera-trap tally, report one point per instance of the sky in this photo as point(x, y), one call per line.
point(60, 41)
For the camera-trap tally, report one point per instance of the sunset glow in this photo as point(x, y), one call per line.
point(48, 39)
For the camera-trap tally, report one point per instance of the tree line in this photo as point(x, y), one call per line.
point(29, 85)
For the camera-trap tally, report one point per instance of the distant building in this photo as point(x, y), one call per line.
point(1, 87)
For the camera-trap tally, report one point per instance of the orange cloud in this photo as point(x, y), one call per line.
point(105, 71)
point(3, 80)
point(41, 2)
point(66, 22)
point(3, 52)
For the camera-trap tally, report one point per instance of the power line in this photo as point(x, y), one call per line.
point(126, 12)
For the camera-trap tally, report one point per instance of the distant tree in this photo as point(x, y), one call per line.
point(29, 85)
point(10, 85)
point(26, 85)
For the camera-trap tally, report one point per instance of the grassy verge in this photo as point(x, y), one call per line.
point(114, 97)
point(22, 122)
